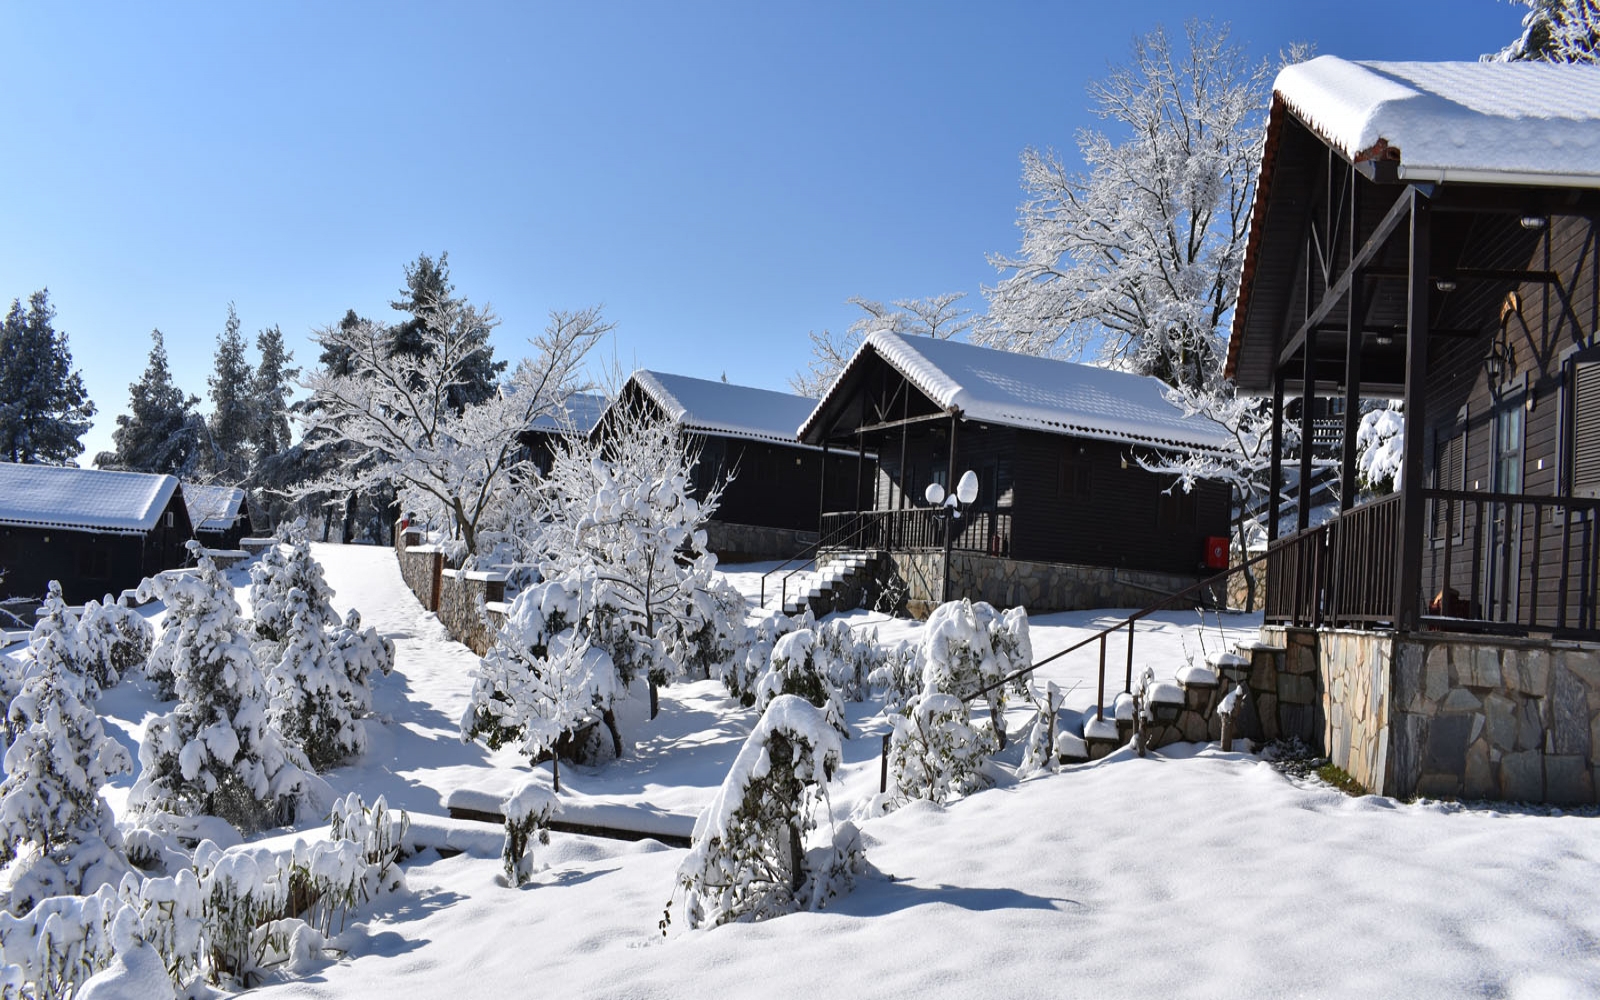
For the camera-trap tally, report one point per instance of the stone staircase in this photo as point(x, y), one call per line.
point(840, 582)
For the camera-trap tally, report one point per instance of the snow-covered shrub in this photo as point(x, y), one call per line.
point(528, 815)
point(796, 670)
point(935, 752)
point(535, 616)
point(313, 703)
point(742, 674)
point(361, 653)
point(377, 831)
point(60, 943)
point(266, 572)
point(136, 970)
point(114, 639)
point(1380, 446)
point(847, 658)
point(897, 673)
point(714, 632)
point(970, 646)
point(748, 859)
point(57, 834)
point(214, 753)
point(1040, 754)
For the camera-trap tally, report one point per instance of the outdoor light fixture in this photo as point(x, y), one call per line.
point(1445, 285)
point(1534, 222)
point(1383, 340)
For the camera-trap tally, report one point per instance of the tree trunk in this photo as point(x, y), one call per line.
point(797, 860)
point(610, 719)
point(655, 700)
point(555, 768)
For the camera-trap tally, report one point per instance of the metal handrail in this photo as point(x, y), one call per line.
point(806, 554)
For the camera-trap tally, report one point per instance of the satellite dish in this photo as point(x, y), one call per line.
point(934, 494)
point(967, 489)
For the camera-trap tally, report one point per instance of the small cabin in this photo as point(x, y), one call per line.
point(773, 498)
point(220, 514)
point(1428, 232)
point(1064, 516)
point(96, 532)
point(576, 417)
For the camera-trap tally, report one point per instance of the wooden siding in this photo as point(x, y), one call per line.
point(1556, 319)
point(90, 564)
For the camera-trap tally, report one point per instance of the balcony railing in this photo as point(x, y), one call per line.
point(1493, 562)
point(985, 531)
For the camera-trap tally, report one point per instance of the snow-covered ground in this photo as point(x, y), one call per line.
point(1192, 873)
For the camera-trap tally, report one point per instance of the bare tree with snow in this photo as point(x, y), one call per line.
point(940, 316)
point(395, 410)
point(1136, 259)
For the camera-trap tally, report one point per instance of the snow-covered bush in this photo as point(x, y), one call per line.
point(136, 970)
point(748, 859)
point(265, 590)
point(897, 673)
point(114, 639)
point(795, 669)
point(60, 943)
point(1040, 754)
point(742, 674)
point(528, 815)
point(935, 752)
point(377, 831)
point(1380, 446)
point(714, 633)
point(214, 753)
point(361, 653)
point(57, 834)
point(968, 646)
point(313, 703)
point(847, 658)
point(537, 615)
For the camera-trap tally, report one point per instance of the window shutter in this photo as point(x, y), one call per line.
point(1586, 429)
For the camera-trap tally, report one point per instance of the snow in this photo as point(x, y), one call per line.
point(1523, 122)
point(213, 508)
point(722, 408)
point(1018, 390)
point(1097, 880)
point(49, 496)
point(578, 415)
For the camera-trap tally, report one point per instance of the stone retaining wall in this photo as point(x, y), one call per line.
point(457, 597)
point(1448, 715)
point(754, 542)
point(1042, 587)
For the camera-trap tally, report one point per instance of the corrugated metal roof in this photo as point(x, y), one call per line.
point(57, 496)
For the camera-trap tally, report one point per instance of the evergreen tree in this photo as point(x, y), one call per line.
point(231, 410)
point(1561, 31)
point(59, 760)
point(215, 753)
point(429, 299)
point(43, 407)
point(269, 395)
point(161, 432)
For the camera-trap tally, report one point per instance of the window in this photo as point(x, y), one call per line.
point(1449, 473)
point(1583, 384)
point(1073, 481)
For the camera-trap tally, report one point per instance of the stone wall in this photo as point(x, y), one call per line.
point(754, 542)
point(1447, 715)
point(1042, 587)
point(421, 567)
point(1496, 718)
point(462, 597)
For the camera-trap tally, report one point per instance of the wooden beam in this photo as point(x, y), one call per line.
point(1275, 470)
point(1397, 213)
point(1308, 398)
point(889, 425)
point(1408, 571)
point(1352, 377)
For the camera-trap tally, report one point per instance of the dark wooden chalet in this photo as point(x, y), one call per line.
point(578, 417)
point(1428, 232)
point(770, 506)
point(1064, 516)
point(96, 532)
point(220, 514)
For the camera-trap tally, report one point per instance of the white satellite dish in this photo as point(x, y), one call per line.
point(967, 489)
point(934, 494)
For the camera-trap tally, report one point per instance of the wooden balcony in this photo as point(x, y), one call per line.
point(918, 528)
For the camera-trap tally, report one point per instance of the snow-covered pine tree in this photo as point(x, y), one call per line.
point(57, 833)
point(232, 412)
point(43, 407)
point(748, 860)
point(275, 576)
point(270, 388)
point(795, 669)
point(361, 653)
point(214, 753)
point(161, 432)
point(114, 639)
point(311, 700)
point(268, 588)
point(1562, 31)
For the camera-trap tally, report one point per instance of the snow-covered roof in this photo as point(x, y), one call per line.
point(581, 412)
point(1524, 122)
point(213, 508)
point(1019, 390)
point(722, 408)
point(50, 496)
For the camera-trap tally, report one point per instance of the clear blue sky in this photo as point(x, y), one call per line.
point(721, 175)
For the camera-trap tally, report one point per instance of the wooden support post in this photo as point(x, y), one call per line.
point(949, 515)
point(1308, 396)
point(1352, 399)
point(1275, 467)
point(1408, 578)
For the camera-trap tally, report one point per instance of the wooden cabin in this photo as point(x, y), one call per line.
point(1427, 232)
point(220, 514)
point(578, 417)
point(96, 532)
point(1064, 517)
point(774, 495)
